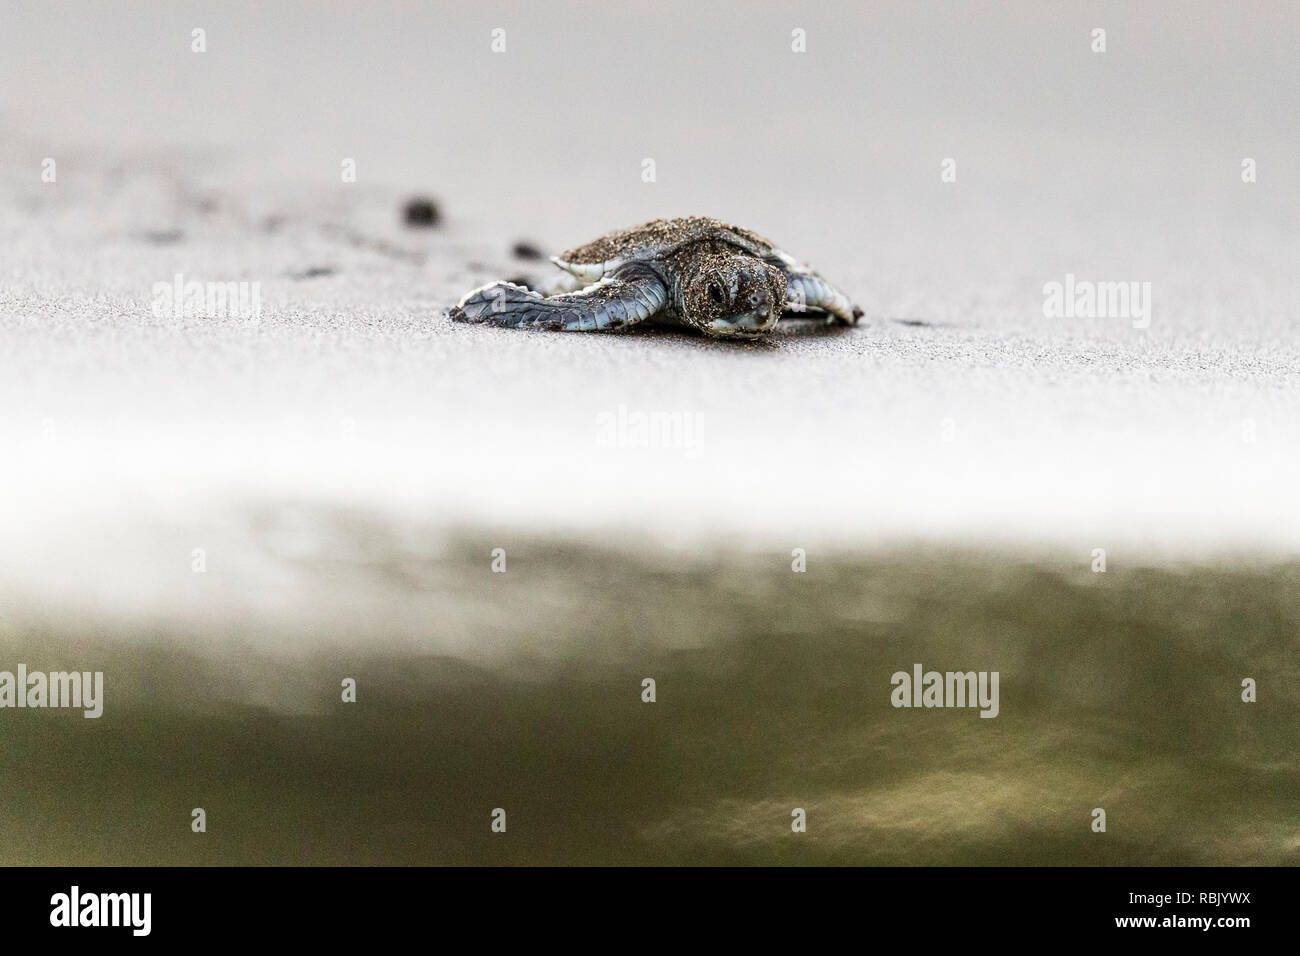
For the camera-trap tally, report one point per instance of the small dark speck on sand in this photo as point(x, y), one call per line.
point(523, 249)
point(421, 213)
point(164, 237)
point(915, 323)
point(315, 272)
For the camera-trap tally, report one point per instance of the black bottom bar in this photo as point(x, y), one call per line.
point(1228, 906)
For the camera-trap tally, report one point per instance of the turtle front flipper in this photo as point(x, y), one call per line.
point(807, 291)
point(629, 296)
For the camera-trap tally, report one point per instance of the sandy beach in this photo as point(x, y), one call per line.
point(343, 463)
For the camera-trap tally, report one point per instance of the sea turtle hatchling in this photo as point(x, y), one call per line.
point(725, 281)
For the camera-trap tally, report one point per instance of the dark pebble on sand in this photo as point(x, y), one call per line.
point(421, 213)
point(526, 250)
point(164, 237)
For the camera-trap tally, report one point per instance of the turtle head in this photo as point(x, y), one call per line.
point(733, 296)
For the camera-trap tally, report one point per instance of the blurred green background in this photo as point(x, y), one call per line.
point(1118, 690)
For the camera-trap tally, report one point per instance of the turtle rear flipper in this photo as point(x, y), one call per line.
point(631, 295)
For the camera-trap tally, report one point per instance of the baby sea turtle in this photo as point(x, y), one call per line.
point(720, 279)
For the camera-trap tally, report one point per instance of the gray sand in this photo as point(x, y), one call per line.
point(1072, 433)
point(331, 455)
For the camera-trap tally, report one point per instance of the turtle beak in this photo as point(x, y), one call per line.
point(760, 317)
point(750, 307)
